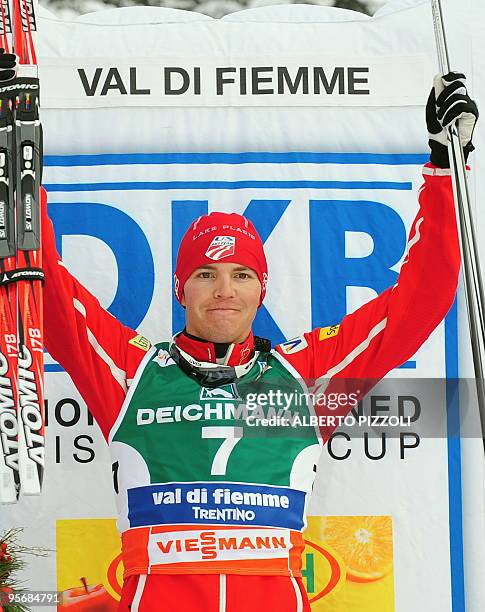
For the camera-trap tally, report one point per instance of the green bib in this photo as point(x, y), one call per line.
point(190, 455)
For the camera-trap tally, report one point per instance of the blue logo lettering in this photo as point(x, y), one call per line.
point(136, 274)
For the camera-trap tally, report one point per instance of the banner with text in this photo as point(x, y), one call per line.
point(312, 125)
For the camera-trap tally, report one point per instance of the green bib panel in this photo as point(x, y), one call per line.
point(190, 455)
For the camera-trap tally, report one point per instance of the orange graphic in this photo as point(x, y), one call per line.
point(93, 598)
point(347, 564)
point(364, 543)
point(363, 546)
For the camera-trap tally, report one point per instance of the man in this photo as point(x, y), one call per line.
point(211, 508)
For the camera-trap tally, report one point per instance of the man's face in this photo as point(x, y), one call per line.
point(221, 301)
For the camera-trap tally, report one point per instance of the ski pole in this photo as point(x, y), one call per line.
point(474, 295)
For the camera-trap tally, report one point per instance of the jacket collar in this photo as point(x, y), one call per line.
point(214, 352)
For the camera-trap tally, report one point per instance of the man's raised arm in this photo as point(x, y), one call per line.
point(387, 331)
point(100, 354)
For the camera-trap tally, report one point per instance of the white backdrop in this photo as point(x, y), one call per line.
point(129, 162)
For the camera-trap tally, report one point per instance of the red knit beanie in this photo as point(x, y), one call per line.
point(220, 238)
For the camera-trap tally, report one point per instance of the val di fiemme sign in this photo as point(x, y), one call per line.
point(215, 82)
point(242, 80)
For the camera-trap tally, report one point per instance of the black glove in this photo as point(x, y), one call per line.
point(449, 102)
point(8, 66)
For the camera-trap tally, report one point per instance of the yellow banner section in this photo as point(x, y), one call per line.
point(363, 551)
point(89, 567)
point(347, 564)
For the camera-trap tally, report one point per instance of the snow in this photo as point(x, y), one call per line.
point(296, 14)
point(67, 9)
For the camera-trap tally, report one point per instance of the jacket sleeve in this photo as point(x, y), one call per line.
point(100, 354)
point(388, 330)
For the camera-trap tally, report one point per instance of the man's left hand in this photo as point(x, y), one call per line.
point(447, 104)
point(8, 66)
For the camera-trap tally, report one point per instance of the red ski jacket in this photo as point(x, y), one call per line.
point(102, 355)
